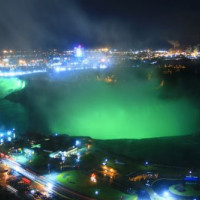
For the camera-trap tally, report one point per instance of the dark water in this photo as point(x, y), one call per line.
point(12, 115)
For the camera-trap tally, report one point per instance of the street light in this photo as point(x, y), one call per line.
point(146, 163)
point(77, 142)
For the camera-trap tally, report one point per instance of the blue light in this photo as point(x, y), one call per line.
point(9, 132)
point(102, 66)
point(77, 142)
point(32, 191)
point(79, 52)
point(9, 139)
point(60, 69)
point(166, 194)
point(96, 192)
point(146, 163)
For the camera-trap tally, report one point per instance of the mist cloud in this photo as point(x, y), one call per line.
point(133, 107)
point(29, 24)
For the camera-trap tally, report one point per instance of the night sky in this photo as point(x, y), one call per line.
point(42, 24)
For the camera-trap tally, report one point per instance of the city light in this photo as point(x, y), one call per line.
point(103, 60)
point(9, 132)
point(102, 66)
point(7, 136)
point(93, 178)
point(146, 163)
point(49, 186)
point(108, 171)
point(36, 146)
point(63, 158)
point(77, 142)
point(60, 69)
point(17, 168)
point(20, 159)
point(32, 191)
point(78, 51)
point(166, 194)
point(78, 157)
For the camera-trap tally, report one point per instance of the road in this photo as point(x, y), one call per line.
point(51, 186)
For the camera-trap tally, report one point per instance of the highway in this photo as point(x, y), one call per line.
point(51, 186)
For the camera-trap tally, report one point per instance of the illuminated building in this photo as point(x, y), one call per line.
point(68, 153)
point(7, 136)
point(93, 178)
point(144, 176)
point(109, 171)
point(78, 51)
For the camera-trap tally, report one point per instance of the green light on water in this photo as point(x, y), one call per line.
point(126, 109)
point(9, 85)
point(115, 112)
point(23, 84)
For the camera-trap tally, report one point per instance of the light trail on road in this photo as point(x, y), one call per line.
point(57, 189)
